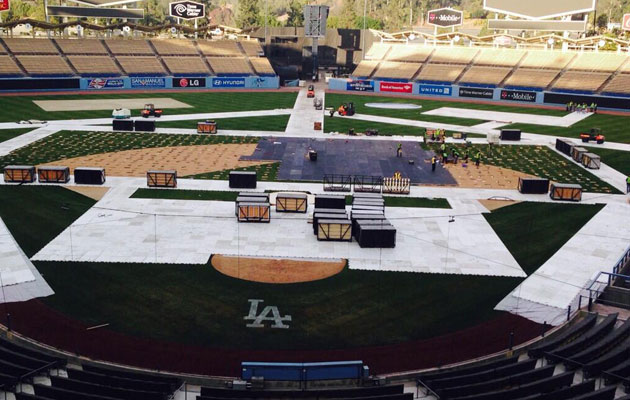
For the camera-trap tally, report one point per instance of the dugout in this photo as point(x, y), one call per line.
point(577, 153)
point(336, 230)
point(19, 173)
point(166, 179)
point(330, 201)
point(533, 185)
point(565, 191)
point(292, 202)
point(53, 174)
point(253, 212)
point(207, 126)
point(591, 161)
point(89, 176)
point(243, 179)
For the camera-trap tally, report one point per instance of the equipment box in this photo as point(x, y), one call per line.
point(250, 199)
point(89, 176)
point(122, 125)
point(330, 201)
point(334, 230)
point(162, 179)
point(533, 185)
point(243, 179)
point(145, 126)
point(19, 173)
point(591, 161)
point(362, 223)
point(253, 212)
point(321, 216)
point(208, 126)
point(577, 153)
point(53, 174)
point(377, 237)
point(357, 218)
point(564, 146)
point(510, 134)
point(565, 191)
point(292, 202)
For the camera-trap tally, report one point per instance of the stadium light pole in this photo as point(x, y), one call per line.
point(363, 32)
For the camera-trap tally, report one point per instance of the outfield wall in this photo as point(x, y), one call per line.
point(445, 92)
point(139, 83)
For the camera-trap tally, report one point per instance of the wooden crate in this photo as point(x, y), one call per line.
point(208, 126)
point(591, 161)
point(565, 191)
point(254, 212)
point(292, 202)
point(577, 153)
point(396, 185)
point(53, 174)
point(262, 199)
point(19, 173)
point(317, 216)
point(334, 230)
point(162, 179)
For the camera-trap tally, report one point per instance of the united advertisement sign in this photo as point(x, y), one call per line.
point(518, 95)
point(445, 17)
point(101, 83)
point(228, 82)
point(396, 87)
point(435, 90)
point(4, 5)
point(360, 86)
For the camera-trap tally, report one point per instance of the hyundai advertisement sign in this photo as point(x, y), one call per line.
point(445, 17)
point(360, 86)
point(228, 82)
point(435, 90)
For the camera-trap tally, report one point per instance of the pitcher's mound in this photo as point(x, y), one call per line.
point(267, 270)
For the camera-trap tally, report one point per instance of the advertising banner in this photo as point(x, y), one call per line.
point(396, 87)
point(479, 93)
point(625, 25)
point(228, 82)
point(4, 5)
point(148, 82)
point(100, 83)
point(445, 17)
point(518, 95)
point(39, 84)
point(435, 90)
point(189, 82)
point(187, 9)
point(360, 86)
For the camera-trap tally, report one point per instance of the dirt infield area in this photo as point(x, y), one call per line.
point(108, 104)
point(95, 193)
point(485, 176)
point(267, 270)
point(186, 160)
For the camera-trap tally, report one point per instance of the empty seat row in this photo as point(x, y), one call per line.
point(486, 375)
point(599, 348)
point(567, 335)
point(362, 392)
point(585, 340)
point(537, 387)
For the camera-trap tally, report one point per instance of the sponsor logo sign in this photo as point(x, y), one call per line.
point(479, 93)
point(100, 83)
point(187, 9)
point(518, 95)
point(396, 87)
point(435, 90)
point(360, 86)
point(445, 17)
point(228, 82)
point(625, 25)
point(4, 5)
point(189, 82)
point(148, 82)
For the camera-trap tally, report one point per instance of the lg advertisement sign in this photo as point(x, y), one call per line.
point(4, 5)
point(445, 17)
point(626, 22)
point(189, 82)
point(187, 10)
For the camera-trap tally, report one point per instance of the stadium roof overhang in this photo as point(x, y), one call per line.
point(104, 3)
point(540, 9)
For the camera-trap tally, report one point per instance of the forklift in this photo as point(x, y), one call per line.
point(346, 109)
point(595, 134)
point(150, 111)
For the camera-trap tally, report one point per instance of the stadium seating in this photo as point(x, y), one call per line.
point(499, 57)
point(94, 65)
point(581, 81)
point(127, 374)
point(186, 65)
point(141, 65)
point(262, 66)
point(619, 84)
point(599, 347)
point(168, 47)
point(377, 51)
point(531, 78)
point(409, 53)
point(546, 59)
point(104, 390)
point(396, 70)
point(81, 46)
point(454, 55)
point(220, 48)
point(473, 369)
point(230, 65)
point(45, 65)
point(602, 62)
point(30, 46)
point(570, 333)
point(375, 392)
point(129, 47)
point(440, 73)
point(252, 48)
point(8, 67)
point(485, 75)
point(365, 68)
point(585, 340)
point(494, 373)
point(120, 382)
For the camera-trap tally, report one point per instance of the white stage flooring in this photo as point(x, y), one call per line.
point(507, 117)
point(547, 294)
point(188, 232)
point(305, 115)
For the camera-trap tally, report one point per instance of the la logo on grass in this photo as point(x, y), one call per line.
point(258, 320)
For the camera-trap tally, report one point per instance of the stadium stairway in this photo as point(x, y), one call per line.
point(516, 67)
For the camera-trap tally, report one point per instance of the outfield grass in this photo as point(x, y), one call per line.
point(6, 134)
point(534, 231)
point(538, 161)
point(264, 172)
point(266, 123)
point(70, 144)
point(343, 124)
point(205, 102)
point(195, 304)
point(617, 159)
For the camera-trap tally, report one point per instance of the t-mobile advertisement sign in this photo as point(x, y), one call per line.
point(518, 95)
point(396, 87)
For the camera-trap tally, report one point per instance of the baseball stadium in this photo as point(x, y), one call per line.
point(253, 199)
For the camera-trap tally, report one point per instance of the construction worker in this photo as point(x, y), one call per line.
point(628, 184)
point(445, 158)
point(434, 162)
point(341, 110)
point(443, 147)
point(477, 158)
point(466, 156)
point(399, 150)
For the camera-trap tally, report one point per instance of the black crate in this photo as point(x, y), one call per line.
point(510, 134)
point(122, 125)
point(89, 176)
point(145, 125)
point(533, 185)
point(377, 237)
point(243, 179)
point(330, 211)
point(330, 201)
point(564, 146)
point(362, 223)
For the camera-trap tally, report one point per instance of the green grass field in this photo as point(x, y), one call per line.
point(267, 123)
point(70, 144)
point(343, 124)
point(195, 304)
point(617, 159)
point(264, 172)
point(201, 103)
point(538, 161)
point(6, 134)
